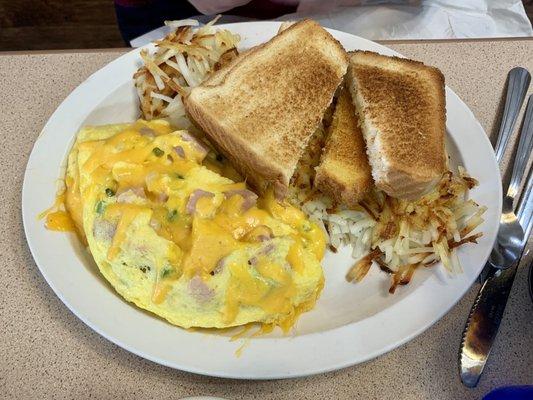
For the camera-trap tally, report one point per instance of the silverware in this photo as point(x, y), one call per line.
point(487, 312)
point(510, 233)
point(523, 216)
point(518, 82)
point(525, 213)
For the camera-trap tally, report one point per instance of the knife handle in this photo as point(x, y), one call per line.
point(483, 324)
point(518, 83)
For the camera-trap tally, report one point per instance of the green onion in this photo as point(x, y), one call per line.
point(172, 215)
point(166, 272)
point(100, 207)
point(158, 152)
point(179, 176)
point(109, 192)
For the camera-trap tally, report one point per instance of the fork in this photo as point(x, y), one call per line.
point(510, 233)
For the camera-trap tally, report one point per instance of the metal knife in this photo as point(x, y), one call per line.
point(487, 312)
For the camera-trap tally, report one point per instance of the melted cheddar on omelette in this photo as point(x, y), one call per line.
point(178, 239)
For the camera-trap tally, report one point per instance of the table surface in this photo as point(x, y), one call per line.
point(46, 352)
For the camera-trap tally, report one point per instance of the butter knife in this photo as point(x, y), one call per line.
point(487, 312)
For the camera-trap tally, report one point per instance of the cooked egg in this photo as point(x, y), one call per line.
point(176, 238)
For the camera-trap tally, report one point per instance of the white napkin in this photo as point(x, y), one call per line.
point(400, 19)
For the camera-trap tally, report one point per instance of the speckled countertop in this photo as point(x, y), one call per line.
point(46, 352)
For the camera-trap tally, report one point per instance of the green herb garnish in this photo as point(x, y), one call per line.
point(179, 176)
point(158, 152)
point(109, 192)
point(166, 272)
point(100, 207)
point(172, 215)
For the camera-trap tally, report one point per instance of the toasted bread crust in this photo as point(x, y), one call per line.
point(401, 104)
point(344, 173)
point(261, 110)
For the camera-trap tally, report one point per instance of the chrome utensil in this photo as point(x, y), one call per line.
point(524, 212)
point(510, 233)
point(518, 80)
point(518, 83)
point(487, 312)
point(524, 217)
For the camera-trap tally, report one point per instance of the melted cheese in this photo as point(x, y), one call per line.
point(60, 221)
point(240, 224)
point(173, 227)
point(58, 218)
point(210, 244)
point(316, 241)
point(243, 289)
point(128, 213)
point(294, 256)
point(73, 204)
point(247, 289)
point(161, 290)
point(312, 235)
point(279, 297)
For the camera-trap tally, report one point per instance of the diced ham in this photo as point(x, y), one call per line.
point(221, 264)
point(179, 151)
point(148, 132)
point(162, 197)
point(103, 230)
point(129, 195)
point(249, 197)
point(268, 249)
point(199, 290)
point(193, 199)
point(199, 146)
point(155, 224)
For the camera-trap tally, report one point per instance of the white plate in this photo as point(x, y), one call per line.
point(350, 324)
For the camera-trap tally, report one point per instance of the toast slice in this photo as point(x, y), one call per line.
point(401, 106)
point(344, 173)
point(261, 110)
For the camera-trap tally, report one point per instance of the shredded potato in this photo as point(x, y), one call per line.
point(399, 236)
point(420, 233)
point(182, 60)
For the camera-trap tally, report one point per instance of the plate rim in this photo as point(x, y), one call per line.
point(248, 375)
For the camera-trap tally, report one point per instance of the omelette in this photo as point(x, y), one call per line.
point(176, 236)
